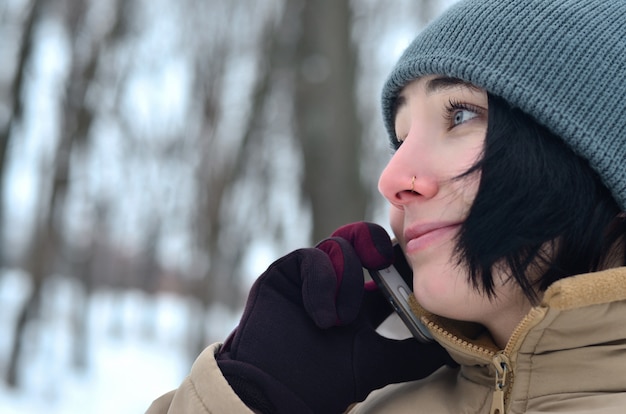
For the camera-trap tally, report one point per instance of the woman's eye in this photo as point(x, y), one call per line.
point(458, 113)
point(463, 115)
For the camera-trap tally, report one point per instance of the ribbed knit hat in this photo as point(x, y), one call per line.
point(561, 61)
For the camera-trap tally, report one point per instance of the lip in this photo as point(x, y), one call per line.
point(422, 236)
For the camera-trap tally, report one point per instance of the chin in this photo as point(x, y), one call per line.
point(430, 301)
point(438, 298)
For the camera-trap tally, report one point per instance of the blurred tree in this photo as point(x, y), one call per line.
point(16, 117)
point(215, 172)
point(328, 125)
point(73, 128)
point(17, 94)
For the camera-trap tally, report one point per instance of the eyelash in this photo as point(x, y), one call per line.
point(394, 144)
point(454, 106)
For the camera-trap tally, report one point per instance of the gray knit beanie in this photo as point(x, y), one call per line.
point(561, 61)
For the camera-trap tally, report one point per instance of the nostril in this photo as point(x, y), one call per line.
point(423, 186)
point(413, 190)
point(404, 196)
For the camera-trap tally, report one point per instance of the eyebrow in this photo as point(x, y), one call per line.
point(442, 83)
point(438, 85)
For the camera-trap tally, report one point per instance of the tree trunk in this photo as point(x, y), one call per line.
point(17, 96)
point(327, 121)
point(17, 110)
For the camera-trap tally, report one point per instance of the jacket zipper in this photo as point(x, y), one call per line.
point(503, 367)
point(500, 360)
point(501, 363)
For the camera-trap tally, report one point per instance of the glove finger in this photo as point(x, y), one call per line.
point(319, 287)
point(348, 270)
point(370, 242)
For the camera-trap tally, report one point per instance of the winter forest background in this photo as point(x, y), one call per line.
point(155, 157)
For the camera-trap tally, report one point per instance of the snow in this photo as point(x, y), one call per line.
point(127, 367)
point(136, 348)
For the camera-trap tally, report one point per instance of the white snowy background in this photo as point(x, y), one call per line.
point(136, 344)
point(127, 370)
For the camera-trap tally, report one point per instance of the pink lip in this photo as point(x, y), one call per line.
point(422, 236)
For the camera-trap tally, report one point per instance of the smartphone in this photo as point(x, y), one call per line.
point(396, 283)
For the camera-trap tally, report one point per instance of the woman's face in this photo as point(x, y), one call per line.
point(441, 125)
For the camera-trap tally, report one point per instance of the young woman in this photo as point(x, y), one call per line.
point(507, 189)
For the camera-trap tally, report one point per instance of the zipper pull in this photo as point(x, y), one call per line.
point(497, 403)
point(500, 362)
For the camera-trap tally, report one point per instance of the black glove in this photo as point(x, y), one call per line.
point(306, 342)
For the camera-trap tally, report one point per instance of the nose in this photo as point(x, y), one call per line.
point(408, 176)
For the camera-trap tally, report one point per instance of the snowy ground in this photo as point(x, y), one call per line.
point(126, 369)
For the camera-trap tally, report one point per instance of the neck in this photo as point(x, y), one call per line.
point(502, 324)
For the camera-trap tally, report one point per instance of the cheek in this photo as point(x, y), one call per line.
point(427, 288)
point(440, 286)
point(468, 188)
point(439, 294)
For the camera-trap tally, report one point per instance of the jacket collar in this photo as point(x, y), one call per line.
point(575, 332)
point(470, 343)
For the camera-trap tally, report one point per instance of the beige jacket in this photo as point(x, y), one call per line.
point(568, 355)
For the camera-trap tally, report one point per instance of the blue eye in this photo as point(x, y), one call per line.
point(463, 115)
point(457, 113)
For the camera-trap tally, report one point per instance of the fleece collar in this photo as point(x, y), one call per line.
point(466, 339)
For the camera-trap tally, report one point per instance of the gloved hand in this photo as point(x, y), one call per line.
point(306, 342)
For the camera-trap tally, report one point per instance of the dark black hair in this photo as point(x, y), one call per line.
point(540, 214)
